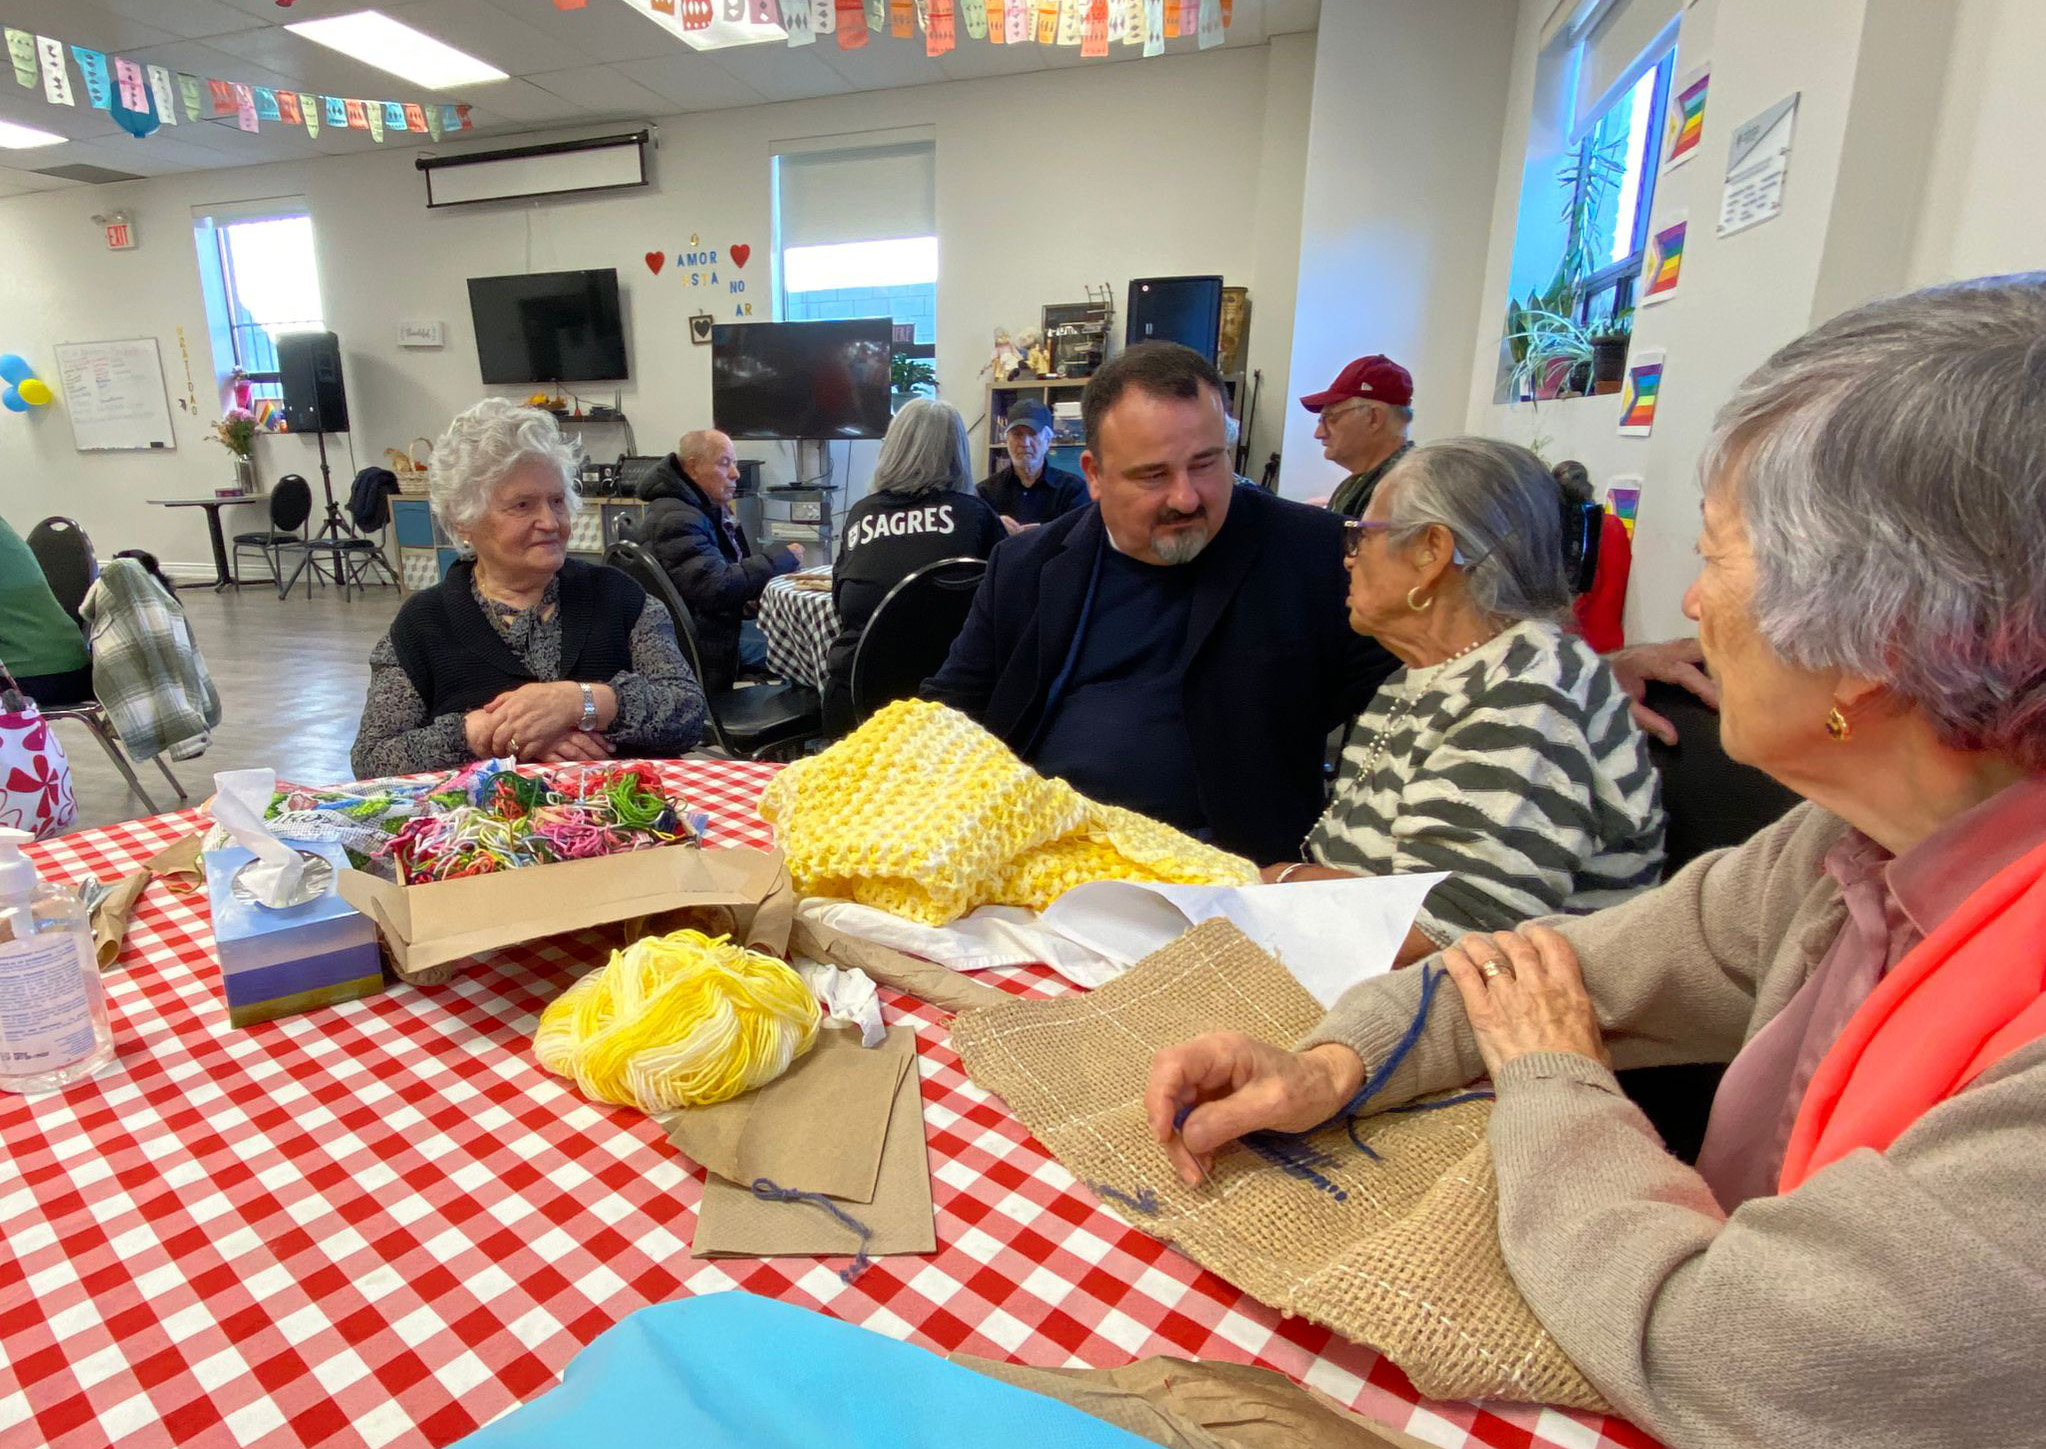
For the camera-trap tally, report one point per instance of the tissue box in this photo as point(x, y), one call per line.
point(279, 962)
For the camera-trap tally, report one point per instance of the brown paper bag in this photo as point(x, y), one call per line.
point(820, 1126)
point(1396, 1247)
point(427, 928)
point(925, 980)
point(110, 917)
point(733, 1223)
point(180, 859)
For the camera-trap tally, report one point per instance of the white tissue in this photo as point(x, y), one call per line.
point(239, 800)
point(848, 995)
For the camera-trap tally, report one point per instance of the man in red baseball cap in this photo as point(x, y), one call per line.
point(1365, 414)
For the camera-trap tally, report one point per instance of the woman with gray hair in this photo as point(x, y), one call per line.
point(1504, 752)
point(921, 509)
point(521, 650)
point(1856, 1257)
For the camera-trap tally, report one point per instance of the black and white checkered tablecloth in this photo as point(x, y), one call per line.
point(800, 625)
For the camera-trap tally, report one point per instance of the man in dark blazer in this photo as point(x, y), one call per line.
point(1182, 647)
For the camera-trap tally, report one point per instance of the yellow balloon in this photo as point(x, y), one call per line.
point(35, 392)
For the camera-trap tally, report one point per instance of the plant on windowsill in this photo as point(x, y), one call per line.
point(1548, 348)
point(1609, 343)
point(1553, 354)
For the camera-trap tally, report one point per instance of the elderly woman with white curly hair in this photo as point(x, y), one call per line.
point(521, 650)
point(1857, 1257)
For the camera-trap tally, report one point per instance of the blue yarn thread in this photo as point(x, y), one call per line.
point(767, 1191)
point(1293, 1155)
point(1145, 1201)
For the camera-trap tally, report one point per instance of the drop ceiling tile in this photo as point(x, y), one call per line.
point(689, 82)
point(190, 19)
point(84, 22)
point(520, 100)
point(493, 34)
point(604, 30)
point(780, 72)
point(601, 87)
point(883, 64)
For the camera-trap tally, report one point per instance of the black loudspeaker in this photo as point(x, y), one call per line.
point(309, 367)
point(1177, 309)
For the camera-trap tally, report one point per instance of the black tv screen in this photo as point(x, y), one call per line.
point(800, 379)
point(549, 327)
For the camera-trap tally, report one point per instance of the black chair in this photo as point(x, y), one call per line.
point(1712, 802)
point(291, 504)
point(749, 722)
point(67, 560)
point(910, 634)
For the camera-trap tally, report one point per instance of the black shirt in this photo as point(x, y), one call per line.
point(1127, 685)
point(1353, 494)
point(1055, 492)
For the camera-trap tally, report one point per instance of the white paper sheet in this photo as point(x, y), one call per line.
point(1329, 934)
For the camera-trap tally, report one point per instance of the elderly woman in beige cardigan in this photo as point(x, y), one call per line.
point(1860, 1256)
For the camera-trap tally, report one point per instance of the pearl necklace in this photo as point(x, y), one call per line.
point(1384, 736)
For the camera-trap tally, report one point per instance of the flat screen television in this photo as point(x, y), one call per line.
point(549, 327)
point(800, 379)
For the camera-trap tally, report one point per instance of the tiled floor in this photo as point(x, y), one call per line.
point(291, 674)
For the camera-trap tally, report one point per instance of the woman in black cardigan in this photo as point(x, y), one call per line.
point(521, 651)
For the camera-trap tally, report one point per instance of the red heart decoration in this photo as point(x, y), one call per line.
point(739, 253)
point(654, 262)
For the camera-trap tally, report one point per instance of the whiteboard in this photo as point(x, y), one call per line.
point(115, 394)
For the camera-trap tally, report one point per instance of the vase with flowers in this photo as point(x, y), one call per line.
point(236, 432)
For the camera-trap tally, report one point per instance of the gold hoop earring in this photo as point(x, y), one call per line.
point(1837, 726)
point(1426, 603)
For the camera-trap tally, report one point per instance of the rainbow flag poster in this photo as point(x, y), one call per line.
point(1684, 122)
point(1643, 391)
point(1661, 264)
point(1623, 501)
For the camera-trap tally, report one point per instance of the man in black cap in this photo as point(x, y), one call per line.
point(1027, 490)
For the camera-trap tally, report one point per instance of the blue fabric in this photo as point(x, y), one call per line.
point(751, 1373)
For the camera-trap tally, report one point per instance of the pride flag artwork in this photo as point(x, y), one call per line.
point(1642, 393)
point(1685, 123)
point(1662, 264)
point(1623, 501)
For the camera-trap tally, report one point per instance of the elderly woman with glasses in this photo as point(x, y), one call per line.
point(1856, 1258)
point(521, 650)
point(1504, 752)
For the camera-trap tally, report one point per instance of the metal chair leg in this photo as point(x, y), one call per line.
point(172, 778)
point(107, 742)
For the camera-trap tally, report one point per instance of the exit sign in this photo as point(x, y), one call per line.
point(120, 237)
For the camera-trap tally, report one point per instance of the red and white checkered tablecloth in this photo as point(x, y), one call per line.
point(382, 1223)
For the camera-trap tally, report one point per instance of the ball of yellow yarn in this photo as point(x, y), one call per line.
point(681, 1020)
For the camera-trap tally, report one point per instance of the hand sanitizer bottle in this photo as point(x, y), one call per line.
point(53, 1006)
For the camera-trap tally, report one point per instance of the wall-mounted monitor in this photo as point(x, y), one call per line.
point(549, 327)
point(801, 379)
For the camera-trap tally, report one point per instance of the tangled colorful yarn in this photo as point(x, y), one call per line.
point(681, 1020)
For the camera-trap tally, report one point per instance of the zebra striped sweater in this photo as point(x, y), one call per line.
point(1517, 768)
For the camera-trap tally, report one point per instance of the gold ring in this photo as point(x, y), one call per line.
point(1490, 969)
point(515, 744)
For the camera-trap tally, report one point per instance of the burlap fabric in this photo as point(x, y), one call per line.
point(1394, 1243)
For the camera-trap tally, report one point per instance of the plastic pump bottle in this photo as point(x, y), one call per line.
point(53, 1006)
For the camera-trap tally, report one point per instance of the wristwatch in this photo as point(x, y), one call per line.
point(588, 723)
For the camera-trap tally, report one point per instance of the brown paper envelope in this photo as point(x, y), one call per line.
point(733, 1223)
point(179, 859)
point(110, 917)
point(430, 926)
point(818, 1127)
point(925, 980)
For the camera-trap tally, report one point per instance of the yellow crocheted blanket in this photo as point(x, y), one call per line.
point(923, 813)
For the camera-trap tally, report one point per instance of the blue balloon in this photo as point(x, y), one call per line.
point(15, 368)
point(136, 123)
point(13, 401)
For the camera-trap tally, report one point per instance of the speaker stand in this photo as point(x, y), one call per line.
point(335, 539)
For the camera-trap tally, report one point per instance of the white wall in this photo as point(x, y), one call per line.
point(1028, 213)
point(1409, 104)
point(1869, 76)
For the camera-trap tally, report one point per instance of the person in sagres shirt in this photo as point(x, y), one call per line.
point(1365, 414)
point(1027, 490)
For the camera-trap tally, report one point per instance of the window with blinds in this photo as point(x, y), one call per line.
point(856, 234)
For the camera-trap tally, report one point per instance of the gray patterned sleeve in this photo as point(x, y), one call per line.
point(660, 704)
point(395, 736)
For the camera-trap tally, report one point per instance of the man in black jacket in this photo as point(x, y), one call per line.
point(1027, 490)
point(688, 527)
point(1183, 647)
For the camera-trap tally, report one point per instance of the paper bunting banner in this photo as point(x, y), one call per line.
point(1154, 27)
point(1210, 24)
point(309, 112)
point(245, 107)
point(56, 80)
point(1132, 21)
point(663, 7)
point(21, 49)
point(1189, 17)
point(99, 86)
point(923, 16)
point(571, 4)
point(223, 97)
point(901, 19)
point(696, 14)
point(852, 25)
point(824, 17)
point(1016, 22)
point(266, 104)
point(133, 88)
point(973, 15)
point(795, 21)
point(433, 121)
point(358, 115)
point(188, 92)
point(394, 116)
point(1642, 394)
point(735, 10)
point(1118, 21)
point(1172, 19)
point(373, 112)
point(764, 13)
point(415, 117)
point(997, 23)
point(287, 107)
point(938, 35)
point(1094, 34)
point(161, 91)
point(462, 119)
point(1662, 264)
point(1072, 21)
point(336, 111)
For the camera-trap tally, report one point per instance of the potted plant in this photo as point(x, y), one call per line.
point(236, 432)
point(910, 377)
point(1609, 342)
point(1547, 348)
